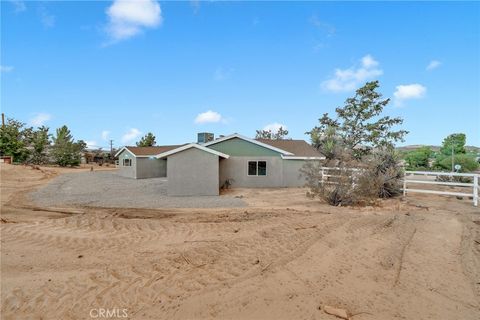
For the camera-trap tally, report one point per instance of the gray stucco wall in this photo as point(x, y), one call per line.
point(151, 168)
point(291, 173)
point(193, 172)
point(236, 168)
point(280, 173)
point(129, 172)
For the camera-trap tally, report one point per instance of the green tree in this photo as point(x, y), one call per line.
point(467, 163)
point(418, 159)
point(327, 142)
point(14, 139)
point(359, 125)
point(147, 141)
point(455, 140)
point(66, 152)
point(280, 134)
point(40, 140)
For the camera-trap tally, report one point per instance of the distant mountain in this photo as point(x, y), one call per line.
point(434, 148)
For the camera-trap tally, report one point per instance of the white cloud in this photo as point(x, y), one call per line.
point(131, 135)
point(409, 91)
point(105, 134)
point(209, 117)
point(274, 127)
point(128, 18)
point(195, 5)
point(47, 19)
point(40, 119)
point(326, 27)
point(221, 74)
point(6, 68)
point(351, 78)
point(369, 62)
point(434, 64)
point(91, 144)
point(19, 5)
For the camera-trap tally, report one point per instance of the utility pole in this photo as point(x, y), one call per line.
point(453, 166)
point(111, 149)
point(3, 119)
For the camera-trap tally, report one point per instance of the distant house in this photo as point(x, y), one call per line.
point(202, 168)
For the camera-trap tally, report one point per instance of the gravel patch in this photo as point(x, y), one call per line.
point(107, 189)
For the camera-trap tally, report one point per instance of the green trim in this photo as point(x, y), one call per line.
point(241, 148)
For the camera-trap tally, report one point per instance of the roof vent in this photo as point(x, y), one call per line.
point(204, 137)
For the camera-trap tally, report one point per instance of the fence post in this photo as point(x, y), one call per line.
point(404, 184)
point(323, 174)
point(475, 190)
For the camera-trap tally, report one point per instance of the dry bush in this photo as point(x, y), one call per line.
point(380, 176)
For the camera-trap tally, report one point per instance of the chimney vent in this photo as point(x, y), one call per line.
point(204, 137)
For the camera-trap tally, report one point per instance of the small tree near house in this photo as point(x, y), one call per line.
point(358, 137)
point(147, 141)
point(280, 134)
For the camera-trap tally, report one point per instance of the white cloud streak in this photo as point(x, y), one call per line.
point(105, 134)
point(221, 74)
point(47, 19)
point(408, 91)
point(40, 119)
point(128, 18)
point(351, 78)
point(91, 144)
point(19, 5)
point(209, 117)
point(6, 69)
point(131, 135)
point(274, 127)
point(434, 64)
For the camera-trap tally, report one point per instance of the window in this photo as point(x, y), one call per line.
point(257, 168)
point(127, 162)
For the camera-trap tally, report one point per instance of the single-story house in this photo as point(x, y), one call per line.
point(140, 162)
point(202, 168)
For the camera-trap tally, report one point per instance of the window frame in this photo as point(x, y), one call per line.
point(256, 168)
point(123, 162)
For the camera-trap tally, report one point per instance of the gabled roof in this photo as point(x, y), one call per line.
point(299, 148)
point(189, 146)
point(259, 143)
point(147, 151)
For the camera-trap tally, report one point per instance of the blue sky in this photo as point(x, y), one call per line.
point(116, 70)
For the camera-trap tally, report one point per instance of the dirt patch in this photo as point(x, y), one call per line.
point(283, 257)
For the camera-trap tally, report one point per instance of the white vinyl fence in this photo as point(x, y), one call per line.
point(424, 178)
point(430, 178)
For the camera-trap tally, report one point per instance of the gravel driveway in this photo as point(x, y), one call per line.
point(107, 189)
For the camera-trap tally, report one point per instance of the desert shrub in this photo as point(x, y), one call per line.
point(418, 159)
point(454, 179)
point(386, 172)
point(379, 176)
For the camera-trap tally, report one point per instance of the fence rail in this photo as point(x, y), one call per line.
point(335, 172)
point(473, 185)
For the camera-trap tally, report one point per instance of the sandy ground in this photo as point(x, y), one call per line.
point(282, 257)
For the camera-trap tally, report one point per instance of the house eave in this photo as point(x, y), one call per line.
point(239, 136)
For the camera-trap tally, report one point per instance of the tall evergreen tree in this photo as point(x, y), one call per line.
point(40, 141)
point(147, 141)
point(66, 152)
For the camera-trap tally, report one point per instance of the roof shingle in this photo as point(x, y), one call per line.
point(299, 148)
point(151, 151)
